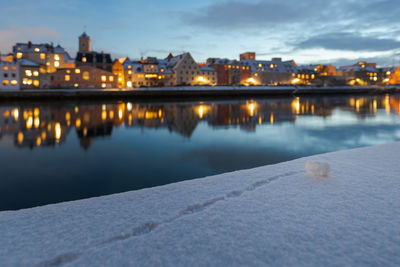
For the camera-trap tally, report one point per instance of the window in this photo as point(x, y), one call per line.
point(5, 82)
point(86, 75)
point(84, 59)
point(36, 83)
point(56, 57)
point(67, 78)
point(19, 55)
point(56, 64)
point(37, 49)
point(5, 68)
point(5, 75)
point(14, 82)
point(28, 73)
point(77, 71)
point(111, 78)
point(36, 73)
point(13, 68)
point(42, 56)
point(13, 75)
point(103, 78)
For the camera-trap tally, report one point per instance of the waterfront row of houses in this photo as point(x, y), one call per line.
point(34, 66)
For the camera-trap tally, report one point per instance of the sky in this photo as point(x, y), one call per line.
point(340, 32)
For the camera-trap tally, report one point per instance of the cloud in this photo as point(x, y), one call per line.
point(239, 15)
point(10, 36)
point(349, 42)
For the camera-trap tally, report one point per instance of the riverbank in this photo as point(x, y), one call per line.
point(341, 212)
point(190, 92)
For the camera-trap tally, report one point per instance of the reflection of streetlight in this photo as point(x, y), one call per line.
point(296, 105)
point(202, 110)
point(20, 137)
point(57, 131)
point(251, 109)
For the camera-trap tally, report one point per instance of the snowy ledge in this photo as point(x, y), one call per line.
point(274, 215)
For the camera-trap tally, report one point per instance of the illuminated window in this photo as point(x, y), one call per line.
point(5, 68)
point(68, 71)
point(42, 56)
point(103, 78)
point(271, 66)
point(111, 78)
point(86, 75)
point(56, 64)
point(84, 59)
point(5, 82)
point(77, 71)
point(28, 73)
point(260, 65)
point(162, 70)
point(129, 72)
point(56, 57)
point(37, 49)
point(13, 68)
point(36, 83)
point(67, 77)
point(36, 73)
point(19, 55)
point(103, 85)
point(14, 82)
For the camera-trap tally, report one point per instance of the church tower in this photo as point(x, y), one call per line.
point(84, 43)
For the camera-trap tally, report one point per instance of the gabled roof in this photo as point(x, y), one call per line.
point(91, 56)
point(25, 62)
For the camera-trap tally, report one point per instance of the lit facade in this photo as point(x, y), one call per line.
point(83, 77)
point(9, 75)
point(187, 72)
point(47, 55)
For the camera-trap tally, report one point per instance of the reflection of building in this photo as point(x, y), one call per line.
point(48, 125)
point(87, 57)
point(83, 77)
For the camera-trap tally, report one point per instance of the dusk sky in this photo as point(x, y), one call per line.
point(308, 31)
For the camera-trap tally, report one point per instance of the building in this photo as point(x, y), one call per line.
point(273, 72)
point(186, 71)
point(248, 56)
point(31, 76)
point(9, 75)
point(150, 72)
point(317, 74)
point(362, 73)
point(83, 77)
point(87, 57)
point(228, 71)
point(49, 56)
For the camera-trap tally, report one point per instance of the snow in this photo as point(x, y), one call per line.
point(274, 215)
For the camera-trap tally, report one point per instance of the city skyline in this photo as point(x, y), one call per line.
point(337, 32)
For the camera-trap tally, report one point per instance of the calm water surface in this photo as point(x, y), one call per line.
point(60, 151)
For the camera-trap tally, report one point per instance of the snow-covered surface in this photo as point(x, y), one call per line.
point(278, 215)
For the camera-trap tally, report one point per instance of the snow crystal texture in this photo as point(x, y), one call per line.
point(276, 215)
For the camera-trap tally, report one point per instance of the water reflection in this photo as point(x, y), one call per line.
point(60, 151)
point(46, 124)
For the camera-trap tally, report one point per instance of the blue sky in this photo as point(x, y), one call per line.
point(308, 31)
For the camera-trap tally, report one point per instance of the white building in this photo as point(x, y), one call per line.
point(9, 75)
point(187, 72)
